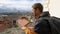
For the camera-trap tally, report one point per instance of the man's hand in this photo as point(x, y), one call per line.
point(28, 30)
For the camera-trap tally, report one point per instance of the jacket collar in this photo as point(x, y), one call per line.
point(45, 14)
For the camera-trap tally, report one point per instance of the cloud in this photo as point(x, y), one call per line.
point(18, 3)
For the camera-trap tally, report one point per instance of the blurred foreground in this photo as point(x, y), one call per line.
point(8, 24)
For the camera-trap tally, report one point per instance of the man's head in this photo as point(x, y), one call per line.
point(37, 9)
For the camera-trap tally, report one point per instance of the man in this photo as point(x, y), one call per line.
point(41, 25)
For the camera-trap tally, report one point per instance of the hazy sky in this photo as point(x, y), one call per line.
point(18, 3)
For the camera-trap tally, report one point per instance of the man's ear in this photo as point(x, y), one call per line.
point(37, 9)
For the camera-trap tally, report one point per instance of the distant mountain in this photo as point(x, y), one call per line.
point(5, 9)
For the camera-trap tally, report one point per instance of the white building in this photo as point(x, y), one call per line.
point(53, 6)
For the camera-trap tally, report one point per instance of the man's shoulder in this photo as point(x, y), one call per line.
point(40, 20)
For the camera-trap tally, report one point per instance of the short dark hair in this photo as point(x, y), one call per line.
point(38, 6)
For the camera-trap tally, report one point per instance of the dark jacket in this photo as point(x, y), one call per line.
point(41, 25)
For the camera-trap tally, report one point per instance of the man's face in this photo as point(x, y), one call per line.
point(35, 12)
